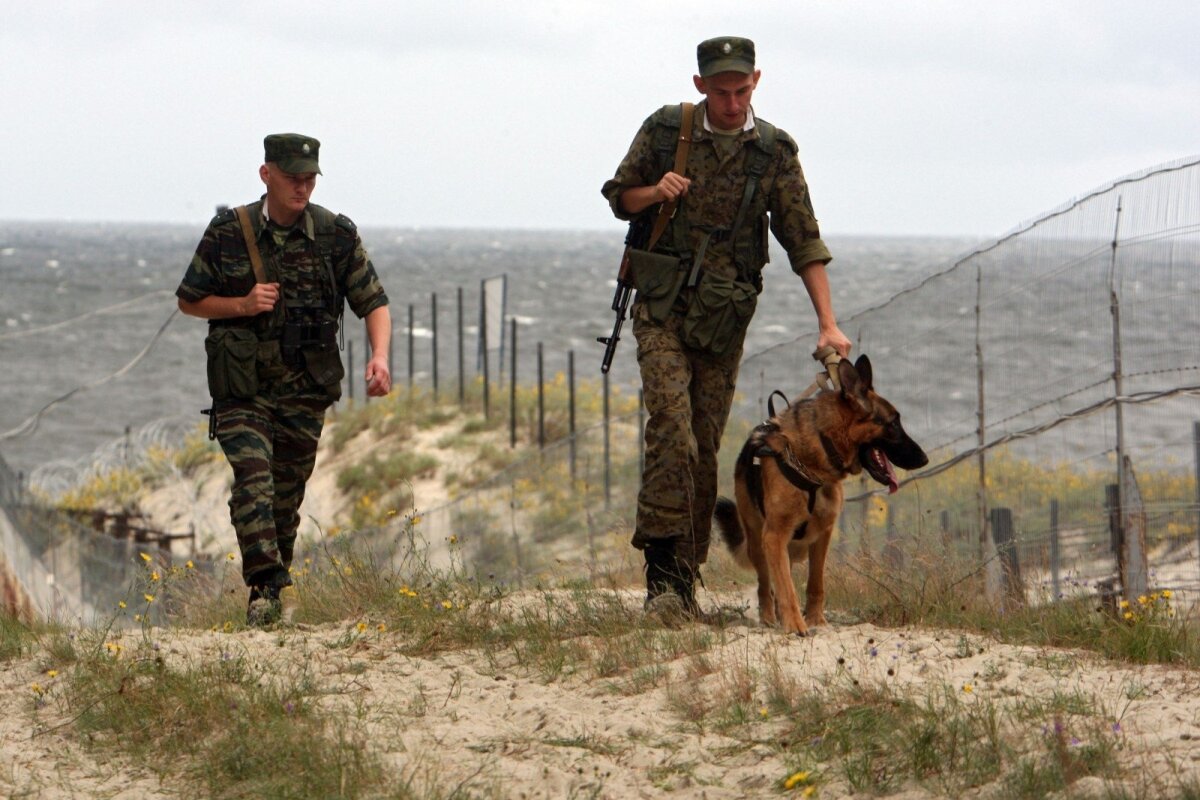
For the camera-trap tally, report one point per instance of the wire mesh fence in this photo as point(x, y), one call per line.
point(1040, 371)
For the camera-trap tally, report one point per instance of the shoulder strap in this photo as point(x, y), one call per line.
point(243, 216)
point(757, 161)
point(667, 210)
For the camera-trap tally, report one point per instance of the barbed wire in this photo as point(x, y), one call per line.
point(158, 293)
point(31, 423)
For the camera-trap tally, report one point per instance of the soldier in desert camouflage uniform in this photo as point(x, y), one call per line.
point(274, 366)
point(740, 170)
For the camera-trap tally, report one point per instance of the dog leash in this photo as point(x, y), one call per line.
point(826, 380)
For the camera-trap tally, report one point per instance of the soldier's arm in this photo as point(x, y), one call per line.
point(379, 334)
point(262, 297)
point(633, 188)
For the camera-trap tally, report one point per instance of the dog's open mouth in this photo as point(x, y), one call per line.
point(878, 466)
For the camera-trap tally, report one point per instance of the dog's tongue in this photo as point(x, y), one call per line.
point(886, 466)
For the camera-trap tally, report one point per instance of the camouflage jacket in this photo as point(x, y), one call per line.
point(221, 266)
point(712, 201)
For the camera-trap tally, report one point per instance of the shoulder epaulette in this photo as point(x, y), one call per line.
point(224, 217)
point(345, 223)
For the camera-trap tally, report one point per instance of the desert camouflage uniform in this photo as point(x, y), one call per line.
point(687, 392)
point(271, 440)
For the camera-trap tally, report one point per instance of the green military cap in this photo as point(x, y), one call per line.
point(725, 54)
point(293, 152)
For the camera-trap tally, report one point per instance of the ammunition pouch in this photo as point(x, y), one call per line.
point(309, 343)
point(658, 279)
point(232, 363)
point(718, 314)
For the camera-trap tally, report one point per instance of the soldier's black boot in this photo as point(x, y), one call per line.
point(670, 582)
point(265, 607)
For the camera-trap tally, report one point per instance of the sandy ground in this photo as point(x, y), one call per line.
point(481, 720)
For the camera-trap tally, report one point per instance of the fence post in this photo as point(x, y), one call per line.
point(541, 379)
point(1118, 393)
point(1055, 553)
point(571, 410)
point(1006, 547)
point(512, 389)
point(483, 342)
point(411, 366)
point(981, 431)
point(350, 368)
point(462, 386)
point(434, 352)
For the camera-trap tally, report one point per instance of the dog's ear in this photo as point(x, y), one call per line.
point(863, 366)
point(854, 389)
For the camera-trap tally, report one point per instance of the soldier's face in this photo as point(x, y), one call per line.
point(287, 192)
point(728, 96)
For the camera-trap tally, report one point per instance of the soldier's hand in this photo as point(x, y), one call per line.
point(262, 297)
point(672, 186)
point(378, 377)
point(836, 339)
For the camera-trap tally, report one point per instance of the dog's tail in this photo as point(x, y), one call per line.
point(729, 525)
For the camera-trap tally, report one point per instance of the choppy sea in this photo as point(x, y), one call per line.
point(90, 336)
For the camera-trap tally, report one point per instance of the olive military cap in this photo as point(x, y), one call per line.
point(725, 54)
point(293, 152)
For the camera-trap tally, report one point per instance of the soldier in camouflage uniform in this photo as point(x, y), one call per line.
point(273, 360)
point(740, 171)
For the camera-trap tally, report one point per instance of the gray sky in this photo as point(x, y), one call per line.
point(912, 117)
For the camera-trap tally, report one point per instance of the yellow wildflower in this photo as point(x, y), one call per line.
point(121, 604)
point(796, 779)
point(762, 712)
point(809, 791)
point(36, 688)
point(1128, 615)
point(145, 557)
point(416, 520)
point(447, 604)
point(149, 598)
point(968, 688)
point(190, 565)
point(1166, 593)
point(1143, 600)
point(1124, 604)
point(453, 539)
point(231, 556)
point(153, 576)
point(51, 673)
point(391, 513)
point(381, 627)
point(362, 626)
point(137, 617)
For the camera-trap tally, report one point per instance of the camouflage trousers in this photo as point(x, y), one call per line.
point(271, 443)
point(688, 394)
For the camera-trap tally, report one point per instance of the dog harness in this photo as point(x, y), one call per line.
point(788, 465)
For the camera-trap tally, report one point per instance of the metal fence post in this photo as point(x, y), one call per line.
point(462, 386)
point(541, 380)
point(512, 389)
point(411, 365)
point(571, 410)
point(350, 369)
point(434, 351)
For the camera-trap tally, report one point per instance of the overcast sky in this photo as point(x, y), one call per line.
point(912, 117)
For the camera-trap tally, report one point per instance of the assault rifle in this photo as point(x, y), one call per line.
point(638, 235)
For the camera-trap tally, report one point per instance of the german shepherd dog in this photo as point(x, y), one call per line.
point(788, 487)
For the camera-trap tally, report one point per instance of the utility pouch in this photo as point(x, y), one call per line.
point(324, 365)
point(718, 314)
point(232, 363)
point(658, 279)
point(270, 361)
